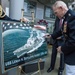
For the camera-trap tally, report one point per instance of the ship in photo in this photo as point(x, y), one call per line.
point(33, 43)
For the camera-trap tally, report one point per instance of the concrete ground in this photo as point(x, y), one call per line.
point(47, 64)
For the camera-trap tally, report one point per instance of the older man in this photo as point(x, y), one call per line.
point(68, 31)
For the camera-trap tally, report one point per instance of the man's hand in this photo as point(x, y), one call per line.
point(59, 49)
point(24, 19)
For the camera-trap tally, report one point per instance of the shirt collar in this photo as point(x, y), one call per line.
point(67, 13)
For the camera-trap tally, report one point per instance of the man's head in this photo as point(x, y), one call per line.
point(60, 9)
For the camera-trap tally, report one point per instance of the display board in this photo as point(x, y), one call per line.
point(20, 43)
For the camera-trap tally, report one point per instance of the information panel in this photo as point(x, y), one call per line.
point(20, 43)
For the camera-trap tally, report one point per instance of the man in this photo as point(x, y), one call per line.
point(68, 31)
point(9, 19)
point(57, 42)
point(5, 17)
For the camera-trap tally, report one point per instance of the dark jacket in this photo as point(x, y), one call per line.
point(56, 28)
point(8, 19)
point(68, 48)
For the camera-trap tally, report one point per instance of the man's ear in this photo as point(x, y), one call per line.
point(61, 7)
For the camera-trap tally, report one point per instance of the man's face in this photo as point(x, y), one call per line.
point(58, 12)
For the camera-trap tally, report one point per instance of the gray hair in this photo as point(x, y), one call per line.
point(60, 3)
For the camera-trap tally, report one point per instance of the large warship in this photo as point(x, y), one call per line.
point(33, 43)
